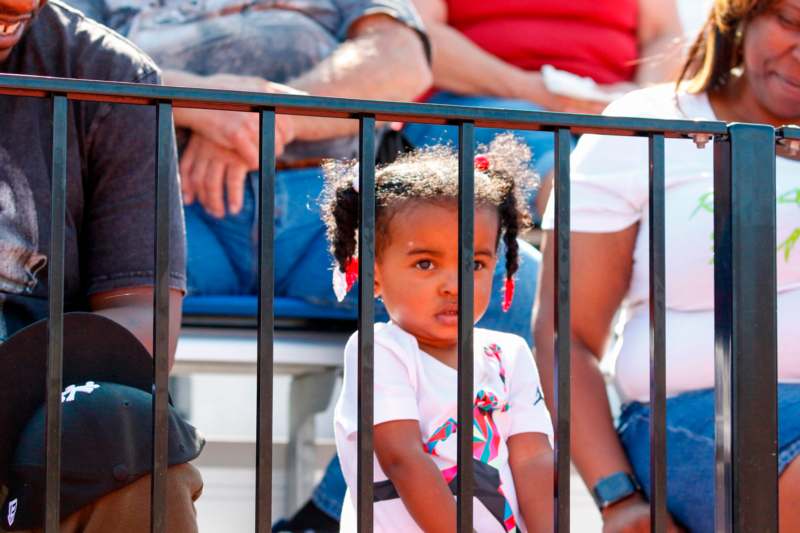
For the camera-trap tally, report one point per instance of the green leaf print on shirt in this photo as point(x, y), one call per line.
point(706, 203)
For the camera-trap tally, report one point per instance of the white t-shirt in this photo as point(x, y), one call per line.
point(413, 385)
point(610, 193)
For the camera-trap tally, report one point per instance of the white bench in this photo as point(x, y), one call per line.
point(311, 358)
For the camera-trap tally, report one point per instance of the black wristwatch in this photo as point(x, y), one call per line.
point(614, 488)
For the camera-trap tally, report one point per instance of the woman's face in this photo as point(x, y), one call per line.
point(772, 60)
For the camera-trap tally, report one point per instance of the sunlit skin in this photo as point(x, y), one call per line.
point(13, 12)
point(416, 272)
point(768, 91)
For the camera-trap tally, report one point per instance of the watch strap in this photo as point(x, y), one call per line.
point(614, 488)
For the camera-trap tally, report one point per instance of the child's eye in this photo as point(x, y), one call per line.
point(789, 21)
point(479, 265)
point(424, 264)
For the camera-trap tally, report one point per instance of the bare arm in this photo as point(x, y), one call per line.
point(660, 41)
point(531, 461)
point(596, 294)
point(383, 59)
point(133, 309)
point(461, 66)
point(398, 446)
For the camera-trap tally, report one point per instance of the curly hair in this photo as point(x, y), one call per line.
point(430, 174)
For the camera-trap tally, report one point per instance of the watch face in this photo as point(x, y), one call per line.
point(613, 488)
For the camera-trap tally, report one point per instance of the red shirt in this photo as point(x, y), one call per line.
point(595, 38)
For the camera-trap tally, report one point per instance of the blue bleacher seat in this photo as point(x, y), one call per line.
point(245, 306)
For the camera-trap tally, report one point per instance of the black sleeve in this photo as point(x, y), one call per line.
point(119, 228)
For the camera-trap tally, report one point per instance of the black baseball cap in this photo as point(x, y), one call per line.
point(106, 444)
point(113, 421)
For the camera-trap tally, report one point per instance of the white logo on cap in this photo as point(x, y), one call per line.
point(12, 511)
point(69, 393)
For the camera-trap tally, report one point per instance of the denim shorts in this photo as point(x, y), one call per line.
point(690, 449)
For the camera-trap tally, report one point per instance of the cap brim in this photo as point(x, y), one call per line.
point(94, 348)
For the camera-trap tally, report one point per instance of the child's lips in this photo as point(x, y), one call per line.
point(448, 316)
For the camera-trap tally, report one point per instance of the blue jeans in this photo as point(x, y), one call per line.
point(690, 449)
point(541, 143)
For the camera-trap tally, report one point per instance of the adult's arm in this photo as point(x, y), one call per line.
point(133, 308)
point(382, 59)
point(596, 295)
point(461, 66)
point(418, 481)
point(660, 36)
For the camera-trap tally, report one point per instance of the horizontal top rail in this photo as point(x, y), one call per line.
point(790, 133)
point(145, 94)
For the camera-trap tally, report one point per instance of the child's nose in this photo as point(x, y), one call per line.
point(449, 283)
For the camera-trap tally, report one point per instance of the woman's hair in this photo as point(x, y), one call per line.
point(717, 50)
point(430, 174)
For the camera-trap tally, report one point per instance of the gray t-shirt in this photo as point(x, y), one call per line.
point(276, 40)
point(110, 223)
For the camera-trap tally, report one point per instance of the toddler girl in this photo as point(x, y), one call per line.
point(416, 276)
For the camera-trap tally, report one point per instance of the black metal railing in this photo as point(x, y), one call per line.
point(745, 287)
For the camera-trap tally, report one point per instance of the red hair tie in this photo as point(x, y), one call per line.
point(344, 281)
point(481, 163)
point(508, 293)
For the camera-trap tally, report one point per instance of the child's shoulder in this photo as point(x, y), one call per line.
point(387, 337)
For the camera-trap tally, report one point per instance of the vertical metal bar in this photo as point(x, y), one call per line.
point(366, 320)
point(745, 287)
point(55, 324)
point(658, 374)
point(561, 233)
point(266, 322)
point(466, 271)
point(164, 194)
point(723, 322)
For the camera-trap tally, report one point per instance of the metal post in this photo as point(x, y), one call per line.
point(466, 271)
point(561, 232)
point(266, 321)
point(745, 295)
point(165, 161)
point(55, 324)
point(658, 339)
point(366, 320)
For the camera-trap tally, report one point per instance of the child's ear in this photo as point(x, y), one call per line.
point(377, 285)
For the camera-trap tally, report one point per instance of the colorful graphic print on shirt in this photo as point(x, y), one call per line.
point(486, 440)
point(792, 196)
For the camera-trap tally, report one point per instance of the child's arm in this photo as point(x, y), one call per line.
point(531, 461)
point(398, 446)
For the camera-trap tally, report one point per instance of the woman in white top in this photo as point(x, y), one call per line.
point(745, 67)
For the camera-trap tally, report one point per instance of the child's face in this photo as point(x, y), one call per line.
point(416, 271)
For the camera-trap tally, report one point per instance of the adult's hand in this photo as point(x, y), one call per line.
point(534, 90)
point(632, 516)
point(239, 131)
point(209, 171)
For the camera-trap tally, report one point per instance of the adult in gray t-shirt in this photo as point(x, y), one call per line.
point(371, 49)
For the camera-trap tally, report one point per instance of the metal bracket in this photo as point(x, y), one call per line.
point(700, 139)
